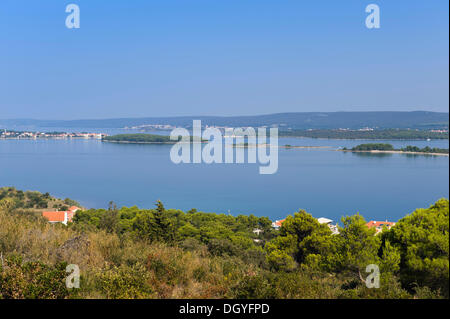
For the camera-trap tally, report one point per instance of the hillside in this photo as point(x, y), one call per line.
point(300, 120)
point(167, 253)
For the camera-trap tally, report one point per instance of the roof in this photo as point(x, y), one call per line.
point(54, 216)
point(278, 223)
point(323, 220)
point(74, 208)
point(374, 223)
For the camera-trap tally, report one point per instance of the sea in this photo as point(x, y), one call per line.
point(323, 181)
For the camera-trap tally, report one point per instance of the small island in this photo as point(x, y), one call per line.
point(368, 134)
point(287, 146)
point(143, 139)
point(388, 148)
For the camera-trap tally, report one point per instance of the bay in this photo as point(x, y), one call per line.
point(324, 182)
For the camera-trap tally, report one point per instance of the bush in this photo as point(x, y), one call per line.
point(125, 282)
point(32, 280)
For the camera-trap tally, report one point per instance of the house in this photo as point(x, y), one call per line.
point(277, 224)
point(328, 222)
point(61, 216)
point(257, 231)
point(379, 225)
point(322, 220)
point(74, 209)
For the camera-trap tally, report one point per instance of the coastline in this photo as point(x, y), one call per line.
point(279, 146)
point(395, 152)
point(160, 143)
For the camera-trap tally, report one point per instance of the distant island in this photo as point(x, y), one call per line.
point(143, 139)
point(288, 146)
point(421, 120)
point(388, 148)
point(368, 134)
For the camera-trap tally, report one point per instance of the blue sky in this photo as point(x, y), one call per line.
point(222, 57)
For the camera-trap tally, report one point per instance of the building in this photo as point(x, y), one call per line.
point(322, 220)
point(328, 222)
point(258, 231)
point(379, 225)
point(61, 216)
point(277, 224)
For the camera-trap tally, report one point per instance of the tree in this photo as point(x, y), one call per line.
point(354, 248)
point(165, 227)
point(155, 225)
point(300, 236)
point(109, 220)
point(422, 239)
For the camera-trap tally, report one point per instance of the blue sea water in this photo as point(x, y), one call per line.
point(324, 182)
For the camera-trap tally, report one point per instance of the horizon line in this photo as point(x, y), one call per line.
point(221, 116)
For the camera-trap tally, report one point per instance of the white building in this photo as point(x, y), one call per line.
point(328, 222)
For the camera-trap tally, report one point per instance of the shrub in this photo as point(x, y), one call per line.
point(32, 280)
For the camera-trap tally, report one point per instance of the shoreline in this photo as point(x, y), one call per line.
point(279, 146)
point(364, 139)
point(395, 152)
point(160, 143)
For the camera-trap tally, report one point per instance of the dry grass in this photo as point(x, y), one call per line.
point(160, 271)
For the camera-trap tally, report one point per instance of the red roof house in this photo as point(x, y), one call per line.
point(379, 225)
point(61, 216)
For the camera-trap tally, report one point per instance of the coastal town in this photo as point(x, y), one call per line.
point(8, 134)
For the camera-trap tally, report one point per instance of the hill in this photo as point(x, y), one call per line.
point(166, 253)
point(300, 120)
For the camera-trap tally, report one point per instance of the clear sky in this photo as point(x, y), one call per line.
point(220, 57)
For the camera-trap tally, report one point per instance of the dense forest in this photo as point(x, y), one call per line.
point(166, 253)
point(387, 134)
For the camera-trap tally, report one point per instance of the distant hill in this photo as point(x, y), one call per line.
point(301, 120)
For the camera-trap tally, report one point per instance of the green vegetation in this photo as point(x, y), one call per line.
point(389, 147)
point(139, 138)
point(373, 147)
point(426, 149)
point(387, 134)
point(34, 201)
point(142, 138)
point(166, 253)
point(421, 243)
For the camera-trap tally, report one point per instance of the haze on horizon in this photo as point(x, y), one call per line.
point(221, 58)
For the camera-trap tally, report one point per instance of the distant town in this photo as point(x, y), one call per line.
point(6, 134)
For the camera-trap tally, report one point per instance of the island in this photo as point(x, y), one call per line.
point(368, 134)
point(388, 148)
point(287, 146)
point(143, 139)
